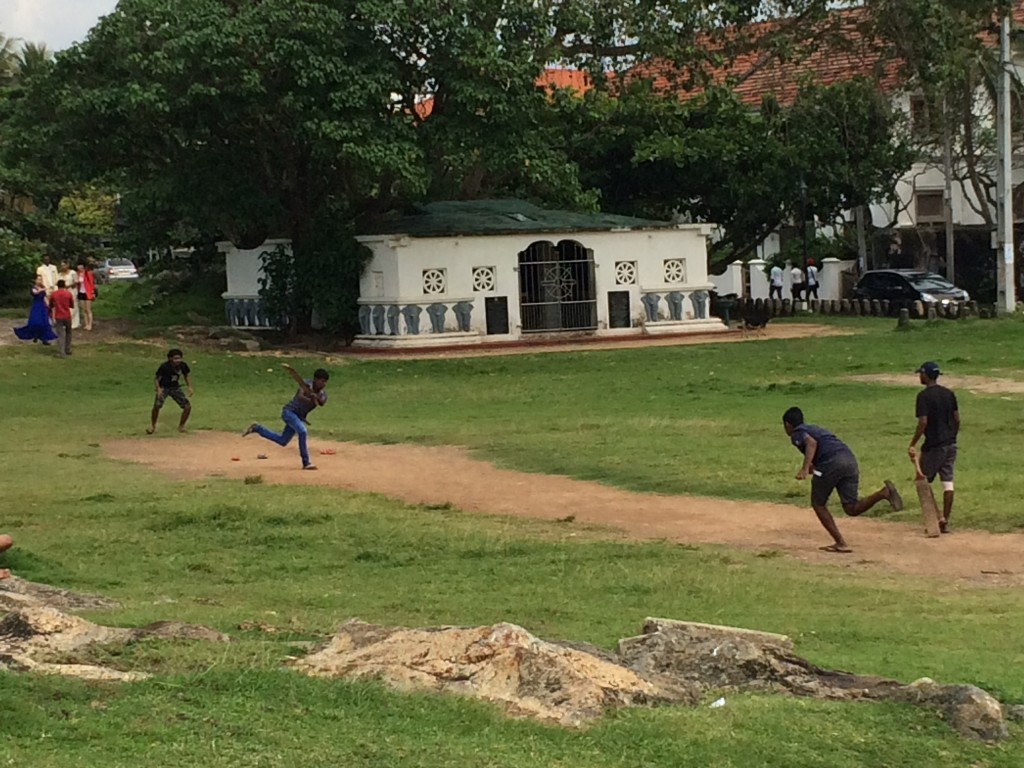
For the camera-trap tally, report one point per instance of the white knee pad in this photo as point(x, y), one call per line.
point(947, 485)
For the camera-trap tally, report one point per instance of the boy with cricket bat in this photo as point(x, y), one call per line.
point(831, 465)
point(938, 421)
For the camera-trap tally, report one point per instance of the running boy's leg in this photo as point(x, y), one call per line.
point(283, 439)
point(298, 426)
point(821, 489)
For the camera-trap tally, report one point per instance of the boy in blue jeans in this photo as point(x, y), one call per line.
point(311, 393)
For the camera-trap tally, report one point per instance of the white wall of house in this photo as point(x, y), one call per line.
point(244, 268)
point(423, 271)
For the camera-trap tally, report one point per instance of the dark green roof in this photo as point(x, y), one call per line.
point(495, 217)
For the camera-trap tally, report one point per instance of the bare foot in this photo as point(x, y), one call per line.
point(181, 429)
point(4, 574)
point(150, 430)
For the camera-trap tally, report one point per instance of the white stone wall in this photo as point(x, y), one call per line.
point(244, 268)
point(399, 264)
point(730, 281)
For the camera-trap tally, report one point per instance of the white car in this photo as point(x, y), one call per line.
point(115, 269)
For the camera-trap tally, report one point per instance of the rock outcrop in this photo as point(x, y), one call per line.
point(722, 658)
point(502, 663)
point(671, 662)
point(32, 634)
point(17, 593)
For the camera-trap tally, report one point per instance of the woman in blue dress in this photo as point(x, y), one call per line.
point(38, 327)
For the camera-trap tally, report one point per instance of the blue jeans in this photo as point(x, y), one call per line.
point(293, 425)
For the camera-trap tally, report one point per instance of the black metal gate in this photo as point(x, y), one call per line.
point(557, 290)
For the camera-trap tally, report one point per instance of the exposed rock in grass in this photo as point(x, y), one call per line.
point(32, 634)
point(502, 663)
point(720, 658)
point(17, 593)
point(671, 662)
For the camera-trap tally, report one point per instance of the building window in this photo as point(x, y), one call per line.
point(1018, 203)
point(434, 281)
point(675, 271)
point(483, 279)
point(929, 207)
point(919, 119)
point(625, 273)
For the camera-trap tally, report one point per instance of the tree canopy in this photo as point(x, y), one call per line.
point(244, 119)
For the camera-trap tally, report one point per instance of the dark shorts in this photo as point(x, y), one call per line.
point(939, 461)
point(175, 394)
point(840, 474)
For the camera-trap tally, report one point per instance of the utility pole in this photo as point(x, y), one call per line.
point(860, 213)
point(1006, 300)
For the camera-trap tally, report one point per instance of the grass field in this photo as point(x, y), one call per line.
point(701, 419)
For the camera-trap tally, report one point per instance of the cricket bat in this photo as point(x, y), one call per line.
point(929, 510)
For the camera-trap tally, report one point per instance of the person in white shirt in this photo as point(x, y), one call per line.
point(70, 278)
point(797, 276)
point(775, 283)
point(811, 286)
point(47, 272)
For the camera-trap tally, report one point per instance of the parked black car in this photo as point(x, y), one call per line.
point(904, 286)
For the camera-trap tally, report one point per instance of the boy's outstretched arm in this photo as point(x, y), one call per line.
point(298, 379)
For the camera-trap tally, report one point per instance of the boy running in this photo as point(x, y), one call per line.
point(168, 384)
point(832, 466)
point(311, 393)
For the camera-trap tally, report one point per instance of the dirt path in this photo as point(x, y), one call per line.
point(973, 384)
point(533, 347)
point(436, 475)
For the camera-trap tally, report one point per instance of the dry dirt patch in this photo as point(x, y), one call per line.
point(443, 474)
point(591, 344)
point(974, 384)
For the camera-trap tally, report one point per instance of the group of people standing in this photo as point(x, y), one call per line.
point(62, 300)
point(803, 285)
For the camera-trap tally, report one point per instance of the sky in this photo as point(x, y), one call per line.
point(58, 23)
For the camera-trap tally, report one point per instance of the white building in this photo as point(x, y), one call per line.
point(454, 273)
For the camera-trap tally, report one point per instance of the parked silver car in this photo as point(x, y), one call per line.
point(115, 269)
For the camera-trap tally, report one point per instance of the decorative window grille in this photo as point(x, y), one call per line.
point(675, 271)
point(435, 281)
point(625, 273)
point(483, 279)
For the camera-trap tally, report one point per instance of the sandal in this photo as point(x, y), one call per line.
point(835, 548)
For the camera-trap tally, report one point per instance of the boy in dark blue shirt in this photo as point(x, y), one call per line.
point(311, 393)
point(832, 466)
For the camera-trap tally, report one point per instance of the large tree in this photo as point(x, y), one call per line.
point(714, 158)
point(299, 117)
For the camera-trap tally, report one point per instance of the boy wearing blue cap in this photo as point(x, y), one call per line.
point(938, 421)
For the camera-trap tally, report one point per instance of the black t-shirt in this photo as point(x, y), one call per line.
point(939, 405)
point(168, 374)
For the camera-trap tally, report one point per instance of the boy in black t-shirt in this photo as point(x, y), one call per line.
point(168, 384)
point(938, 420)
